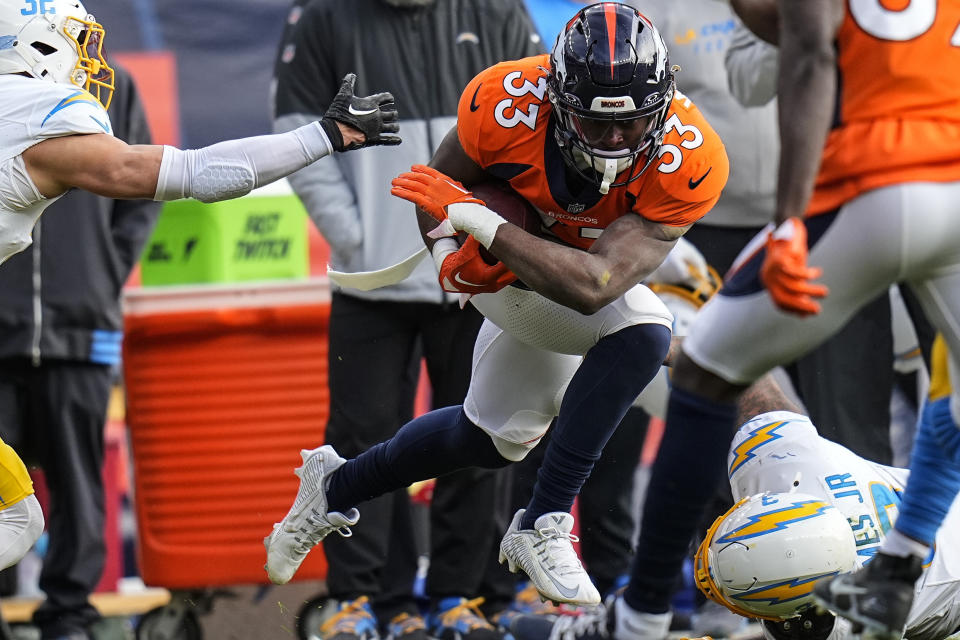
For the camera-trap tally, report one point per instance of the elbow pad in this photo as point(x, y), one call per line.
point(234, 168)
point(195, 174)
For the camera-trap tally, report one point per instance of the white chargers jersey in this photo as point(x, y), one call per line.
point(31, 111)
point(781, 451)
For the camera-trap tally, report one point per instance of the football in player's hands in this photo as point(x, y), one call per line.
point(512, 207)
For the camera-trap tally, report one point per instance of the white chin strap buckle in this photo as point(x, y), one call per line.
point(609, 173)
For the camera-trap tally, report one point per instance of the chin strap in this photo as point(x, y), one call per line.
point(608, 168)
point(609, 174)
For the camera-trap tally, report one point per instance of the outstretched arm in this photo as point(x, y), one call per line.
point(106, 166)
point(807, 89)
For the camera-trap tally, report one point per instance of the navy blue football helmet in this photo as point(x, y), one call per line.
point(611, 85)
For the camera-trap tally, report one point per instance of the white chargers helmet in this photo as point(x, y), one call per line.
point(762, 558)
point(55, 40)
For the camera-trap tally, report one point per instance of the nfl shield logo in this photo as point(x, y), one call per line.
point(576, 207)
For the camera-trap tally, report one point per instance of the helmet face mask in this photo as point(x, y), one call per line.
point(92, 72)
point(63, 44)
point(611, 86)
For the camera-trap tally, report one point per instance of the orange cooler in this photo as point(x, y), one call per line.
point(225, 384)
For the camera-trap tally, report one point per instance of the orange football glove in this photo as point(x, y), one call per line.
point(465, 271)
point(785, 272)
point(432, 191)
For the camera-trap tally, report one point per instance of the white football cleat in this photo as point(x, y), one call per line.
point(308, 521)
point(546, 555)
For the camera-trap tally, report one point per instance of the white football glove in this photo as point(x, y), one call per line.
point(684, 265)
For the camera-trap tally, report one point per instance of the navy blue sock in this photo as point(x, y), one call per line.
point(609, 379)
point(430, 446)
point(934, 474)
point(689, 467)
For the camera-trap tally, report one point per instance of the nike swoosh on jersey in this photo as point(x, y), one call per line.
point(102, 124)
point(360, 113)
point(457, 277)
point(473, 101)
point(693, 184)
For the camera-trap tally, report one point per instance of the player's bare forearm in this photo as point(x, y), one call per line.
point(626, 252)
point(762, 17)
point(98, 163)
point(568, 276)
point(807, 92)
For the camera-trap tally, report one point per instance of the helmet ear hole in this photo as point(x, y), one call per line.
point(44, 48)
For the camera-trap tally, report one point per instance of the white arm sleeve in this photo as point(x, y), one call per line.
point(233, 168)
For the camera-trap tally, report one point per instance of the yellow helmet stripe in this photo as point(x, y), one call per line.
point(775, 520)
point(782, 591)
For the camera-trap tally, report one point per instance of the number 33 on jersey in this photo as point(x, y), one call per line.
point(504, 125)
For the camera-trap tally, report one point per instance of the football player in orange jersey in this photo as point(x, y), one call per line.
point(619, 166)
point(869, 195)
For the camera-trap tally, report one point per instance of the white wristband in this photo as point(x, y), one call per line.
point(441, 249)
point(475, 219)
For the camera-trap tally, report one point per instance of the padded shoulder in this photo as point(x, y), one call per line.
point(61, 110)
point(502, 108)
point(686, 181)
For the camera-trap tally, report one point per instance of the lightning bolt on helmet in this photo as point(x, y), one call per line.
point(611, 85)
point(762, 557)
point(55, 40)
